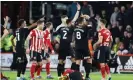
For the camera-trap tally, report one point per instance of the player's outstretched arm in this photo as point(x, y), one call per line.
point(27, 42)
point(77, 13)
point(34, 24)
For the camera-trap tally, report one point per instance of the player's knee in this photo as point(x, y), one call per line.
point(48, 60)
point(40, 64)
point(102, 65)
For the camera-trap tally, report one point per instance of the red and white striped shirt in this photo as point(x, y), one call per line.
point(36, 40)
point(47, 39)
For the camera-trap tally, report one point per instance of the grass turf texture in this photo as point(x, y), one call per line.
point(94, 76)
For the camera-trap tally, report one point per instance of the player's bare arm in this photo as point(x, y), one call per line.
point(77, 13)
point(111, 41)
point(27, 41)
point(34, 24)
point(100, 38)
point(12, 40)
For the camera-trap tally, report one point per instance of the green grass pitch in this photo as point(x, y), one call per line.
point(94, 76)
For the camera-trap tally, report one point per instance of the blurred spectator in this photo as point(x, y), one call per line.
point(114, 15)
point(116, 45)
point(125, 34)
point(129, 14)
point(104, 16)
point(121, 17)
point(127, 39)
point(120, 31)
point(6, 43)
point(129, 36)
point(115, 31)
point(72, 10)
point(122, 50)
point(128, 28)
point(87, 9)
point(131, 48)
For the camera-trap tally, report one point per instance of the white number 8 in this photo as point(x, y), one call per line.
point(78, 35)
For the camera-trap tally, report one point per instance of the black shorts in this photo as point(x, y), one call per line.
point(45, 55)
point(63, 53)
point(103, 53)
point(21, 59)
point(20, 52)
point(82, 54)
point(75, 76)
point(35, 56)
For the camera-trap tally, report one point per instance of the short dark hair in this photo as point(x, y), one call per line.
point(63, 16)
point(40, 22)
point(80, 20)
point(68, 21)
point(20, 22)
point(103, 21)
point(48, 24)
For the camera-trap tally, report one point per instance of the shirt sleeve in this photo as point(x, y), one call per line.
point(32, 33)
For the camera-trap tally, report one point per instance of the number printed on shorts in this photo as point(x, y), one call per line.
point(17, 36)
point(78, 35)
point(65, 33)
